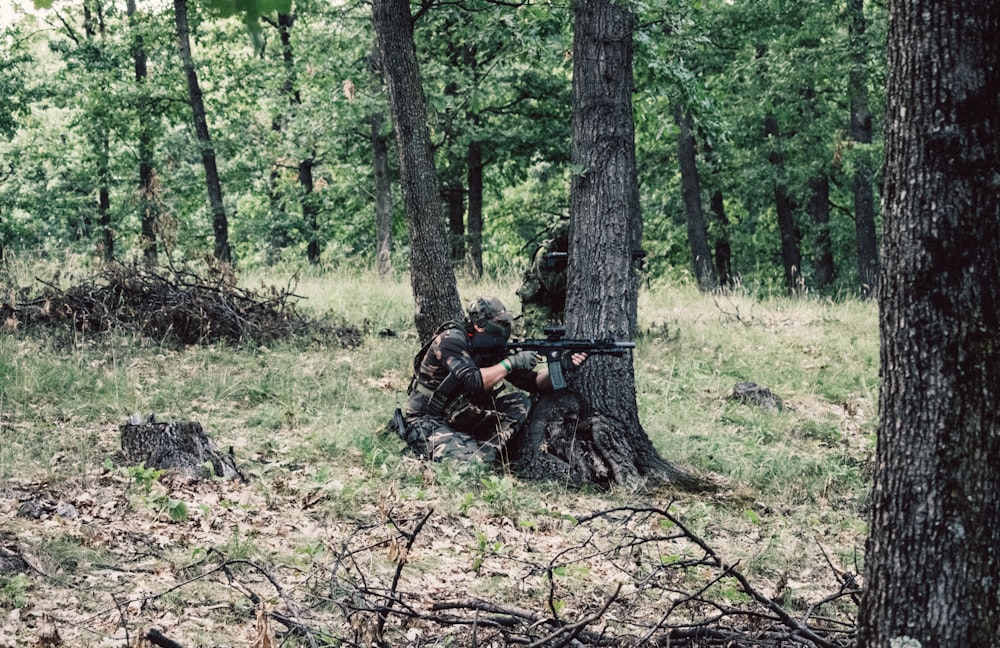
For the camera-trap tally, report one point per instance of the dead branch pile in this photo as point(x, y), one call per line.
point(671, 589)
point(173, 306)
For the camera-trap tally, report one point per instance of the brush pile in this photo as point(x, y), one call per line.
point(172, 306)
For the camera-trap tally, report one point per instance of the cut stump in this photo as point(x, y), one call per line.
point(182, 447)
point(754, 394)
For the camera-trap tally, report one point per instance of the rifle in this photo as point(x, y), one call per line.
point(552, 349)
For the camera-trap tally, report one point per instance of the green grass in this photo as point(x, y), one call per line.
point(308, 419)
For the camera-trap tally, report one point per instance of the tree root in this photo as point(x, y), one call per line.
point(563, 441)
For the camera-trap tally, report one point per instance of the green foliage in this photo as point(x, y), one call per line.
point(145, 479)
point(13, 591)
point(497, 75)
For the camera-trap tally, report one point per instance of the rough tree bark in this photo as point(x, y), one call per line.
point(220, 224)
point(595, 435)
point(182, 447)
point(432, 276)
point(932, 567)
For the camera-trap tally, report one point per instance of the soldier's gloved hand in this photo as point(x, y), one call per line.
point(523, 360)
point(570, 362)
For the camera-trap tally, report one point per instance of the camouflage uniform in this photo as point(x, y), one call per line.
point(448, 412)
point(543, 288)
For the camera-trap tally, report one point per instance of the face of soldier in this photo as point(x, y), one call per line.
point(497, 329)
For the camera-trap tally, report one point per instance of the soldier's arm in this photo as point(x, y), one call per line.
point(493, 375)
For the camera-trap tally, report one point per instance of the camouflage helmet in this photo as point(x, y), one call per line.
point(486, 309)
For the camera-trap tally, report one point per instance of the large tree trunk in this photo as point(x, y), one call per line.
point(791, 254)
point(220, 224)
point(432, 276)
point(932, 567)
point(697, 229)
point(861, 132)
point(603, 282)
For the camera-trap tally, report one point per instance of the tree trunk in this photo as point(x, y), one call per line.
point(101, 148)
point(383, 195)
point(603, 282)
point(474, 166)
point(723, 249)
point(310, 210)
point(455, 200)
point(380, 171)
point(697, 229)
point(182, 447)
point(432, 276)
point(220, 225)
point(824, 268)
point(148, 191)
point(791, 255)
point(104, 202)
point(861, 133)
point(931, 566)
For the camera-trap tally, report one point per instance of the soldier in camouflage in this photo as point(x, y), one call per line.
point(456, 406)
point(543, 289)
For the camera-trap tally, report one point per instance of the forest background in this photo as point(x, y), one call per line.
point(754, 136)
point(757, 110)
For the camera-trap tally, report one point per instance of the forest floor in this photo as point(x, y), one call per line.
point(340, 538)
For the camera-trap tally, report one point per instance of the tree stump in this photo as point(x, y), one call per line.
point(182, 447)
point(754, 394)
